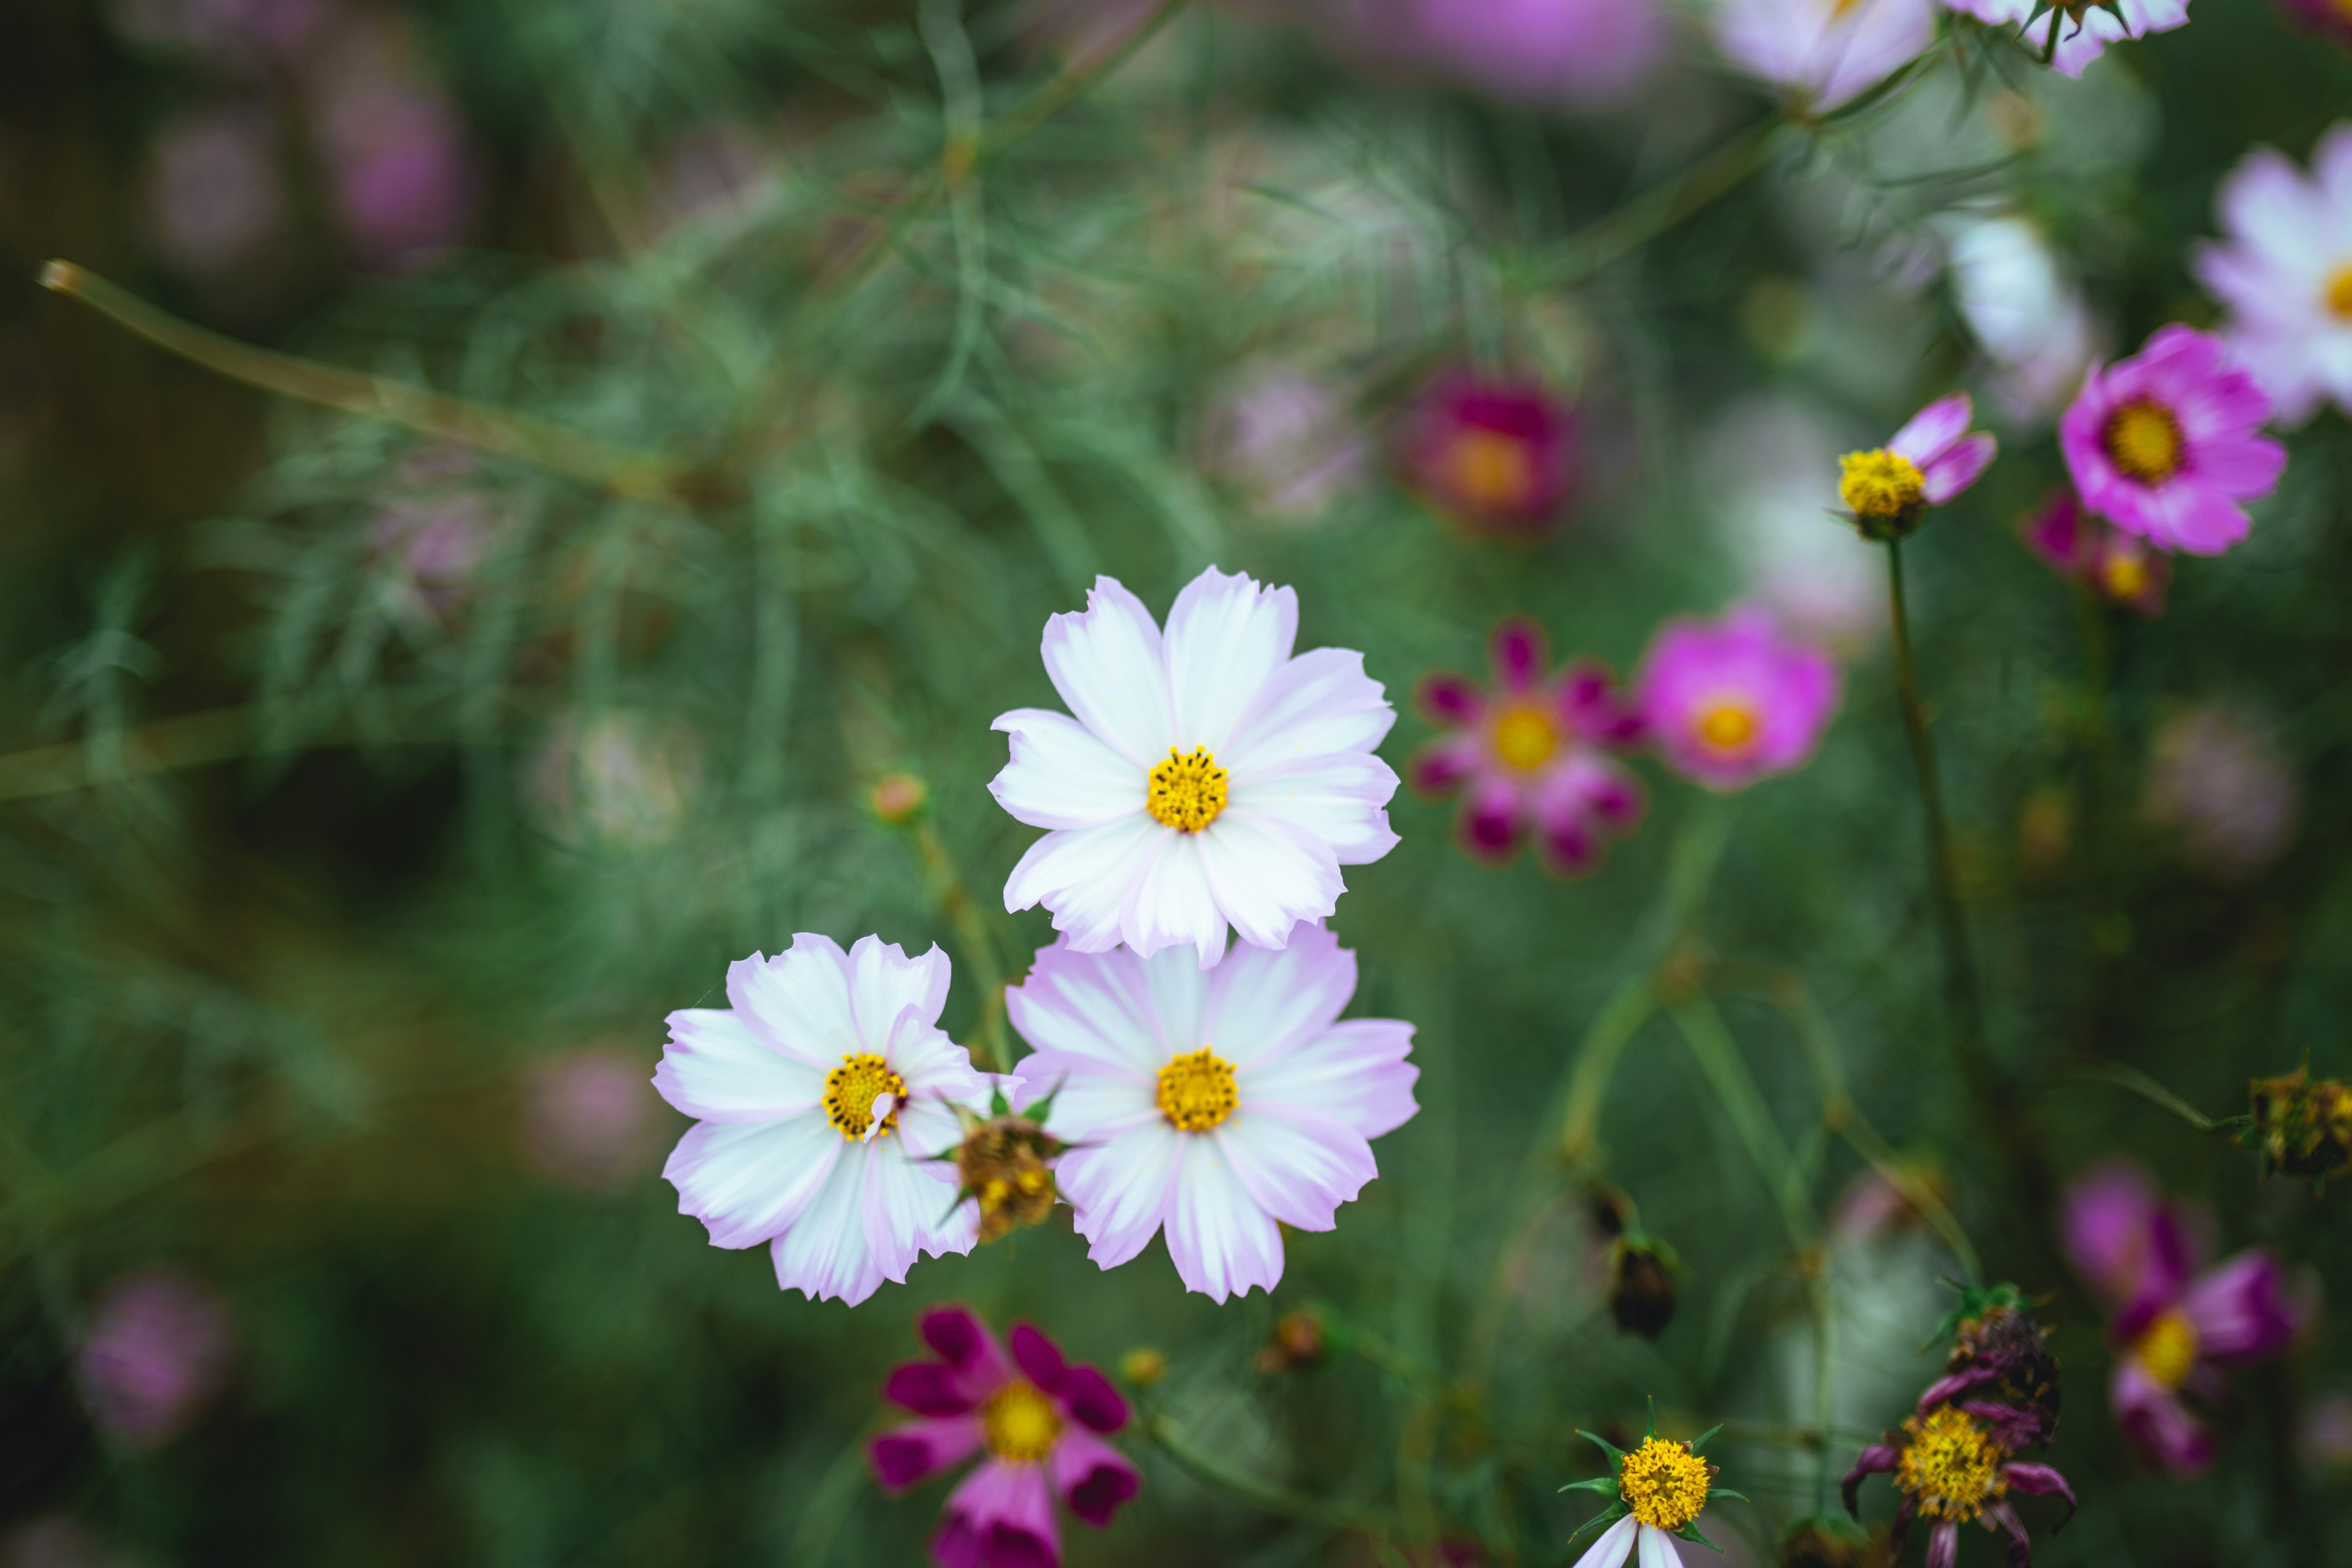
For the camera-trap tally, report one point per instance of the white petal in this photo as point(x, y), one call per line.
point(1318, 703)
point(799, 999)
point(1613, 1547)
point(1170, 902)
point(749, 1181)
point(1062, 775)
point(1118, 1189)
point(1226, 638)
point(824, 1255)
point(1096, 1006)
point(1337, 798)
point(1094, 1103)
point(1297, 1165)
point(1263, 1001)
point(1222, 1242)
point(1082, 875)
point(907, 1214)
point(1267, 876)
point(884, 982)
point(932, 1066)
point(718, 1067)
point(1356, 1071)
point(926, 1129)
point(1658, 1549)
point(1106, 663)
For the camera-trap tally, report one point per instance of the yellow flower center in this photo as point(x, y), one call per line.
point(1951, 1466)
point(851, 1088)
point(1882, 488)
point(1493, 472)
point(1728, 725)
point(1663, 1483)
point(1187, 791)
point(2168, 1349)
point(1525, 738)
point(2143, 440)
point(1197, 1091)
point(2340, 285)
point(1020, 1424)
point(2125, 576)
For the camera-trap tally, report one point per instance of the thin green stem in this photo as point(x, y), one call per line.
point(1209, 1470)
point(1735, 1090)
point(1660, 208)
point(2148, 1089)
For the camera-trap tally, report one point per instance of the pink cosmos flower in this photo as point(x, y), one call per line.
point(1531, 752)
point(1498, 457)
point(1931, 460)
point(1729, 701)
point(157, 1352)
point(2096, 554)
point(1211, 1102)
point(2220, 781)
point(2285, 273)
point(2164, 444)
point(2175, 1329)
point(1542, 52)
point(1208, 778)
point(215, 194)
point(1041, 1422)
point(588, 1118)
point(1287, 441)
point(1824, 52)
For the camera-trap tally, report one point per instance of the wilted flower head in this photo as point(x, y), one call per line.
point(2093, 554)
point(1951, 1468)
point(588, 1116)
point(1659, 1490)
point(2223, 785)
point(1823, 52)
point(1931, 459)
point(2285, 271)
point(1532, 752)
point(2000, 1368)
point(156, 1353)
point(1729, 701)
point(1288, 442)
point(1641, 1288)
point(2301, 1125)
point(1004, 1166)
point(213, 190)
point(1497, 456)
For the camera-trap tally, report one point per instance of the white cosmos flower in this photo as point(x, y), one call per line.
point(1209, 777)
point(2285, 273)
point(821, 1095)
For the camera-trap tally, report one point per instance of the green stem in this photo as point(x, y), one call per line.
point(1735, 1090)
point(1258, 1493)
point(1660, 208)
point(2148, 1089)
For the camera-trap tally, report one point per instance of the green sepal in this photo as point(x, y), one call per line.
point(997, 1104)
point(1606, 1516)
point(1714, 1492)
point(1690, 1532)
point(1698, 1444)
point(1653, 1419)
point(1616, 1455)
point(1042, 1106)
point(1597, 1484)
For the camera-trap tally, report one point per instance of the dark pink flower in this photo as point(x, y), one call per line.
point(2329, 19)
point(2175, 1329)
point(2167, 444)
point(1498, 457)
point(1040, 1421)
point(157, 1351)
point(1531, 751)
point(1729, 701)
point(2118, 567)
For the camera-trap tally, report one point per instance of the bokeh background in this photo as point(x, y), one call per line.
point(367, 795)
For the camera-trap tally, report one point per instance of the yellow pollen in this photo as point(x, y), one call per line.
point(1663, 1483)
point(1197, 1091)
point(2339, 284)
point(1187, 791)
point(1882, 488)
point(1524, 739)
point(1020, 1424)
point(2123, 576)
point(2143, 440)
point(1493, 472)
point(1727, 726)
point(2168, 1349)
point(1951, 1466)
point(850, 1091)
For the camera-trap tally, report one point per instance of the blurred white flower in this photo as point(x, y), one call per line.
point(2218, 779)
point(1824, 51)
point(2285, 273)
point(2030, 320)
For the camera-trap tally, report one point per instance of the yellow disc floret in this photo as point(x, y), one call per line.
point(851, 1089)
point(1020, 1424)
point(1726, 725)
point(2143, 440)
point(1197, 1091)
point(2339, 282)
point(1187, 791)
point(1663, 1483)
point(1951, 1466)
point(1526, 738)
point(2168, 1349)
point(1492, 472)
point(1884, 490)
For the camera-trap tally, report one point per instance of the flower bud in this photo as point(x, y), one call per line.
point(1004, 1164)
point(2304, 1129)
point(1143, 1366)
point(897, 799)
point(1301, 1341)
point(1641, 1289)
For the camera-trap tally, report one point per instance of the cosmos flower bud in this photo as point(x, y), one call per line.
point(897, 799)
point(1143, 1366)
point(2303, 1128)
point(1641, 1288)
point(1301, 1341)
point(1005, 1165)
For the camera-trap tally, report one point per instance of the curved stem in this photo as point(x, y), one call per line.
point(2148, 1089)
point(1660, 207)
point(1212, 1471)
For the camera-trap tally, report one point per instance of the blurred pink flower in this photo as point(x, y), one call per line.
point(433, 531)
point(2328, 18)
point(1288, 442)
point(1539, 52)
point(2096, 554)
point(401, 177)
point(1498, 457)
point(618, 780)
point(2224, 786)
point(1729, 701)
point(2285, 273)
point(1824, 52)
point(589, 1117)
point(156, 1352)
point(213, 191)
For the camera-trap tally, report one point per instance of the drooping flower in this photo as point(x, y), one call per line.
point(2093, 554)
point(2175, 1329)
point(2219, 782)
point(1950, 1468)
point(1729, 701)
point(1532, 752)
point(1824, 52)
point(1209, 776)
point(156, 1352)
point(2301, 1125)
point(1931, 459)
point(2000, 1368)
point(1214, 1103)
point(2165, 443)
point(823, 1095)
point(1497, 455)
point(1039, 1419)
point(1005, 1166)
point(2285, 273)
point(2085, 28)
point(1660, 1491)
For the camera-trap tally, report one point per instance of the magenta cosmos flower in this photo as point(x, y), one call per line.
point(1531, 752)
point(1209, 776)
point(2285, 273)
point(2095, 554)
point(2165, 443)
point(1040, 1420)
point(1727, 702)
point(1931, 459)
point(1499, 456)
point(1214, 1103)
point(2175, 1329)
point(156, 1353)
point(1951, 1467)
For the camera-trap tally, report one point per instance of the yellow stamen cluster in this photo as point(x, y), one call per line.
point(1187, 791)
point(2124, 575)
point(1884, 490)
point(1663, 1483)
point(1728, 725)
point(1197, 1091)
point(1526, 738)
point(1019, 1424)
point(2168, 1350)
point(1951, 1466)
point(2143, 440)
point(851, 1088)
point(2303, 1126)
point(1492, 472)
point(2340, 285)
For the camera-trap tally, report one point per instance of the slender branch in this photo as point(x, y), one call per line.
point(1660, 208)
point(1259, 1493)
point(1735, 1089)
point(2148, 1089)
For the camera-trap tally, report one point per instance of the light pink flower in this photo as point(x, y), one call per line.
point(2216, 779)
point(1542, 52)
point(2285, 273)
point(1497, 456)
point(1288, 442)
point(1041, 1421)
point(1533, 752)
point(2165, 443)
point(157, 1351)
point(213, 189)
point(1931, 459)
point(1729, 701)
point(1211, 1102)
point(588, 1118)
point(1824, 52)
point(2084, 30)
point(2121, 568)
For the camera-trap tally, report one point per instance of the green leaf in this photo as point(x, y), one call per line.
point(997, 1104)
point(1690, 1532)
point(1714, 1492)
point(1597, 1484)
point(1606, 1516)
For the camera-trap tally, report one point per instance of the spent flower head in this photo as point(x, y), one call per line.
point(2301, 1125)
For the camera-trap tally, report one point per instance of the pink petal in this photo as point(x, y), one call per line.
point(1092, 1476)
point(1959, 467)
point(1932, 429)
point(910, 1455)
point(2240, 1310)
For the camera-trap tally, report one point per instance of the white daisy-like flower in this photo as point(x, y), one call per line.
point(1212, 1102)
point(1824, 52)
point(2285, 273)
point(823, 1096)
point(1208, 778)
